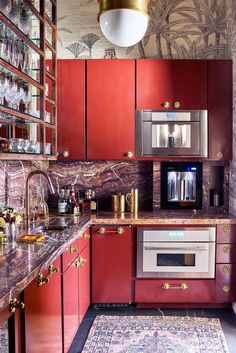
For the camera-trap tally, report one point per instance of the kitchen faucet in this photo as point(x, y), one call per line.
point(51, 189)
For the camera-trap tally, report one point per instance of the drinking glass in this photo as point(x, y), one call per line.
point(26, 98)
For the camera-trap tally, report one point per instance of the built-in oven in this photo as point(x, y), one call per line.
point(171, 133)
point(181, 252)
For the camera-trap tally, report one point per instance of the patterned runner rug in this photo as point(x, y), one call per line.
point(155, 334)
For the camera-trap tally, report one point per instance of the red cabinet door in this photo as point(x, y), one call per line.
point(182, 81)
point(189, 84)
point(43, 319)
point(70, 304)
point(84, 282)
point(153, 83)
point(71, 108)
point(110, 108)
point(220, 109)
point(111, 265)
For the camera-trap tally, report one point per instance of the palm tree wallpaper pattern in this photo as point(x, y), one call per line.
point(189, 29)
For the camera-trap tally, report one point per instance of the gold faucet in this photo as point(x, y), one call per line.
point(27, 201)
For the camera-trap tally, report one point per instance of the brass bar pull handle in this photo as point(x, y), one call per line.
point(86, 236)
point(73, 249)
point(15, 304)
point(103, 230)
point(173, 286)
point(45, 279)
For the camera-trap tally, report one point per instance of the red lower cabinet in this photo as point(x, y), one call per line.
point(111, 264)
point(43, 316)
point(70, 304)
point(174, 291)
point(84, 282)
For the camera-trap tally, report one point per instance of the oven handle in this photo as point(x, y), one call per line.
point(175, 248)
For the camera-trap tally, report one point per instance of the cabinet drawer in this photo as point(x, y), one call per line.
point(225, 292)
point(226, 253)
point(225, 273)
point(70, 254)
point(153, 291)
point(84, 240)
point(226, 233)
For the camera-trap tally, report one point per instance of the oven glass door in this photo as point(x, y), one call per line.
point(188, 260)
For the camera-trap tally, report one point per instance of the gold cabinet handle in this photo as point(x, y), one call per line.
point(103, 230)
point(225, 288)
point(73, 249)
point(64, 154)
point(226, 249)
point(129, 154)
point(226, 229)
point(177, 105)
point(166, 105)
point(86, 236)
point(45, 279)
point(219, 155)
point(80, 262)
point(173, 286)
point(226, 269)
point(15, 304)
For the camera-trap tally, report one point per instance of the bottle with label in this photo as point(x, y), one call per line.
point(62, 202)
point(87, 202)
point(42, 208)
point(93, 203)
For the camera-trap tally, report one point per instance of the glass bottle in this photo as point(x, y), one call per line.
point(42, 209)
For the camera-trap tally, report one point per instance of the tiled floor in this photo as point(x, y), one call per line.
point(227, 318)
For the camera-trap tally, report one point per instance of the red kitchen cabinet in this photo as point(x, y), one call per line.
point(43, 316)
point(181, 83)
point(111, 264)
point(220, 109)
point(84, 282)
point(71, 109)
point(110, 109)
point(70, 304)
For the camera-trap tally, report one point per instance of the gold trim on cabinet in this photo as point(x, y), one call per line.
point(86, 236)
point(226, 229)
point(15, 304)
point(177, 105)
point(219, 155)
point(73, 249)
point(103, 230)
point(173, 286)
point(166, 105)
point(226, 249)
point(226, 269)
point(225, 288)
point(129, 154)
point(45, 279)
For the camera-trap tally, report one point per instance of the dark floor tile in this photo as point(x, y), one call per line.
point(227, 318)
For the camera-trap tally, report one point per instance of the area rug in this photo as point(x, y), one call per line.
point(155, 334)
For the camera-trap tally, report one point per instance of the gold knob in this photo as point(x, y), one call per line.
point(15, 304)
point(226, 288)
point(120, 230)
point(177, 105)
point(129, 154)
point(226, 229)
point(226, 269)
point(86, 236)
point(219, 155)
point(82, 261)
point(65, 154)
point(226, 249)
point(73, 249)
point(102, 230)
point(166, 105)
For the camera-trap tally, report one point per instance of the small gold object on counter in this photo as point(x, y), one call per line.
point(3, 238)
point(30, 238)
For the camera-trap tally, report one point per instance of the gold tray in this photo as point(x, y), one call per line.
point(30, 238)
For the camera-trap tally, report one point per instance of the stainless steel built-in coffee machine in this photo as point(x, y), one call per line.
point(181, 185)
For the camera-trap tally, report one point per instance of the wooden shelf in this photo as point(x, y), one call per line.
point(34, 10)
point(20, 34)
point(50, 126)
point(49, 75)
point(49, 21)
point(49, 100)
point(21, 74)
point(20, 115)
point(17, 156)
point(50, 47)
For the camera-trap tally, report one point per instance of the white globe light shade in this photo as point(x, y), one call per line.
point(123, 27)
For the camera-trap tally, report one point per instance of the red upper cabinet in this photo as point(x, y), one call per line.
point(220, 109)
point(71, 109)
point(171, 84)
point(110, 109)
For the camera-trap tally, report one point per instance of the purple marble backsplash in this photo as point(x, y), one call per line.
point(104, 177)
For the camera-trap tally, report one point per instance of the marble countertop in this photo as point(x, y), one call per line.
point(20, 263)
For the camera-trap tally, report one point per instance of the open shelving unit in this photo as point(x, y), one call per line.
point(28, 113)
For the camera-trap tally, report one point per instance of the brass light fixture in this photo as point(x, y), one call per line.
point(123, 22)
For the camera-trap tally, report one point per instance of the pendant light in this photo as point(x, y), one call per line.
point(123, 22)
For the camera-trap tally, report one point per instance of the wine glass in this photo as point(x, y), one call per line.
point(3, 88)
point(26, 98)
